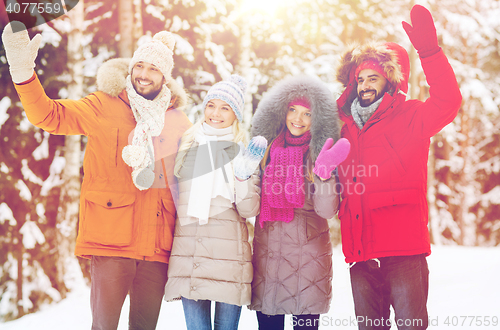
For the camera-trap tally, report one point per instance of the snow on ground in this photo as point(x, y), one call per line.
point(464, 290)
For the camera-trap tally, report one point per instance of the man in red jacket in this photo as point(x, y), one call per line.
point(384, 210)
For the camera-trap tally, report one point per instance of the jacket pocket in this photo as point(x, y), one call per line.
point(108, 218)
point(392, 198)
point(397, 220)
point(113, 151)
point(166, 224)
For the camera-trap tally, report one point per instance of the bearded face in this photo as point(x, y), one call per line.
point(371, 87)
point(147, 80)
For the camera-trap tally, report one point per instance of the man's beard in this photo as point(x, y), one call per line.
point(151, 95)
point(365, 103)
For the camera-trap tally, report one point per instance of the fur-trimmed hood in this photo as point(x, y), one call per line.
point(392, 58)
point(270, 116)
point(111, 79)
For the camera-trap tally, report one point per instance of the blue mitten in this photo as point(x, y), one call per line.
point(248, 159)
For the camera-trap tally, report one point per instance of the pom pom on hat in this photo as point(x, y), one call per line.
point(232, 91)
point(166, 38)
point(158, 51)
point(239, 81)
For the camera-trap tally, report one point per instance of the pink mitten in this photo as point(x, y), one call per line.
point(330, 157)
point(423, 32)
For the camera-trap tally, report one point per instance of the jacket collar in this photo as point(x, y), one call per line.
point(124, 97)
point(386, 107)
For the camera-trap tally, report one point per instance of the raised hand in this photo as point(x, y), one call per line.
point(247, 161)
point(330, 157)
point(423, 32)
point(20, 51)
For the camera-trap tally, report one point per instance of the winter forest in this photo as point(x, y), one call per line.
point(264, 41)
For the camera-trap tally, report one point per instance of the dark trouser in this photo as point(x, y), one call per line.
point(402, 282)
point(299, 322)
point(112, 278)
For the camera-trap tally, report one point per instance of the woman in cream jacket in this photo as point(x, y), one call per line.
point(211, 258)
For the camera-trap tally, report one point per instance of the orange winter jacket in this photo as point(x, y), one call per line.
point(116, 219)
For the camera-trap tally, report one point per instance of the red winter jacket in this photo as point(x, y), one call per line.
point(384, 179)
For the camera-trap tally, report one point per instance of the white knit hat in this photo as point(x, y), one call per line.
point(231, 91)
point(158, 51)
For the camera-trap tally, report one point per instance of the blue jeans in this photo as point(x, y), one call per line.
point(198, 315)
point(277, 322)
point(402, 282)
point(112, 278)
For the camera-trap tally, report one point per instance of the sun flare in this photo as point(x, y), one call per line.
point(266, 6)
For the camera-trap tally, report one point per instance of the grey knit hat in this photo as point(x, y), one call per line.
point(231, 91)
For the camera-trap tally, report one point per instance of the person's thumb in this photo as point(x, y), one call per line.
point(34, 44)
point(407, 27)
point(328, 144)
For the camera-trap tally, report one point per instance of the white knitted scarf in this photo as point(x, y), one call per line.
point(150, 118)
point(219, 181)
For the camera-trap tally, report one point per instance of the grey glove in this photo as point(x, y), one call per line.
point(246, 162)
point(20, 51)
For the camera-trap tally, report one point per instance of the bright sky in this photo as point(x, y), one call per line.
point(267, 6)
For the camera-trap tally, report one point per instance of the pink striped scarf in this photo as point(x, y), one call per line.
point(283, 182)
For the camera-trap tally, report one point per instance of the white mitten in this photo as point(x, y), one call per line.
point(247, 160)
point(20, 51)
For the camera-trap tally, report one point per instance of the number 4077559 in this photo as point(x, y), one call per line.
point(33, 8)
point(471, 321)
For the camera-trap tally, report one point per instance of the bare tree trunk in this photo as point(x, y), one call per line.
point(68, 269)
point(467, 221)
point(244, 70)
point(126, 25)
point(19, 257)
point(138, 31)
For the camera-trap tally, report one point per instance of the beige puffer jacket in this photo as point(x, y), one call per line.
point(213, 261)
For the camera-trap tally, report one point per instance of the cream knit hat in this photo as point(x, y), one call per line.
point(158, 51)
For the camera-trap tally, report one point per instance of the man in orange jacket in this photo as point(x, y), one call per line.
point(383, 212)
point(127, 210)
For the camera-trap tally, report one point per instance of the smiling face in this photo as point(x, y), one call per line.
point(371, 86)
point(219, 114)
point(147, 80)
point(298, 119)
